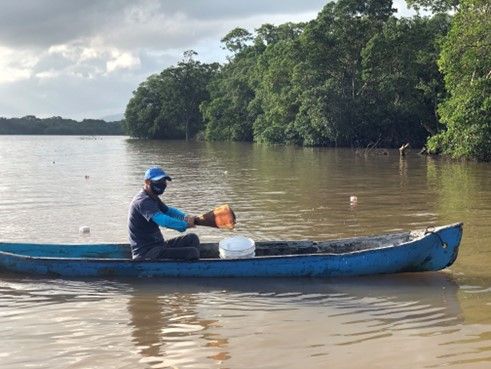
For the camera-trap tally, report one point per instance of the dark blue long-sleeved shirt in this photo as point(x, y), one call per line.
point(145, 216)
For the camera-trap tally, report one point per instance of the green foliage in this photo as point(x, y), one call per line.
point(276, 91)
point(331, 78)
point(167, 105)
point(143, 108)
point(236, 40)
point(31, 125)
point(401, 78)
point(269, 34)
point(466, 64)
point(436, 6)
point(227, 113)
point(354, 76)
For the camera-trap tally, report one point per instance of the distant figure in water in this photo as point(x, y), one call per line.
point(147, 212)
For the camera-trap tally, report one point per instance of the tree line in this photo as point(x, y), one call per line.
point(354, 76)
point(31, 125)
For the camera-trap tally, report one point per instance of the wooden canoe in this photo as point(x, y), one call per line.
point(414, 251)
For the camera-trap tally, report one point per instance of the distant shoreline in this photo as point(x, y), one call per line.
point(31, 125)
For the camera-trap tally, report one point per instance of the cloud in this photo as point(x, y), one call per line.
point(128, 23)
point(122, 61)
point(68, 95)
point(84, 58)
point(78, 82)
point(15, 65)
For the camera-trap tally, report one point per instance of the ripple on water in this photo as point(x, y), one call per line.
point(203, 323)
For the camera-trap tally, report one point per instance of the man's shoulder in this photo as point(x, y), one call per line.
point(143, 200)
point(140, 194)
point(139, 198)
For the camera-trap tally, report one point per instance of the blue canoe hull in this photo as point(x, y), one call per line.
point(431, 251)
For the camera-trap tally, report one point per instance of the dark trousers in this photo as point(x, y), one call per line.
point(183, 248)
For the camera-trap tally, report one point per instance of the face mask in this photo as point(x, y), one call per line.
point(158, 188)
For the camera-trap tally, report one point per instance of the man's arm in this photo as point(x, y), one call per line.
point(175, 213)
point(178, 214)
point(167, 221)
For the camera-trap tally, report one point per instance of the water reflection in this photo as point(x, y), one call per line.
point(147, 320)
point(167, 329)
point(403, 172)
point(216, 322)
point(462, 193)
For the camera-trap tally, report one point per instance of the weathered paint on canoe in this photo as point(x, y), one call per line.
point(430, 251)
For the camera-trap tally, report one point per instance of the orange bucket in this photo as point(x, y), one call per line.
point(220, 217)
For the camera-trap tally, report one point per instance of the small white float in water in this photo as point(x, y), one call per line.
point(353, 201)
point(84, 229)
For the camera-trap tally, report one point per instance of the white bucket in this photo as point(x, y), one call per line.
point(237, 247)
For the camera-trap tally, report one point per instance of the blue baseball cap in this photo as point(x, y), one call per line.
point(156, 173)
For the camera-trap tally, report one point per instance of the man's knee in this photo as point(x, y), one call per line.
point(192, 240)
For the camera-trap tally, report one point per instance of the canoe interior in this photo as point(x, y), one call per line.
point(211, 251)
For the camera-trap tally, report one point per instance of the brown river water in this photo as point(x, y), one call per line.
point(50, 186)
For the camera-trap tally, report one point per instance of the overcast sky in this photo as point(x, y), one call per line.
point(83, 58)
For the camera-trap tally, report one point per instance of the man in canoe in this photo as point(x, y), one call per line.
point(147, 212)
